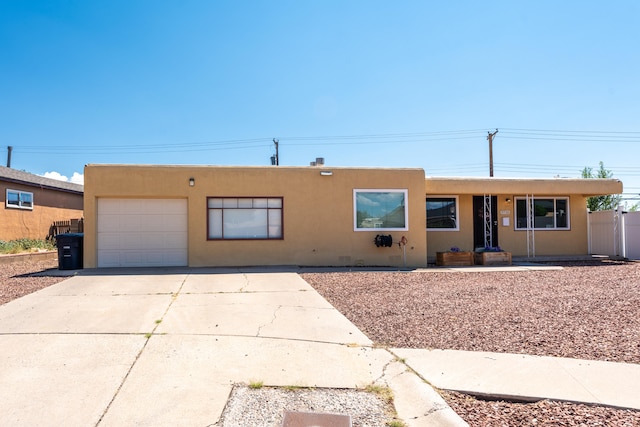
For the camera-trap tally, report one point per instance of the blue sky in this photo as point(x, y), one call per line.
point(360, 83)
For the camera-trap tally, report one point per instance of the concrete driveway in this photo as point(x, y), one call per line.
point(164, 346)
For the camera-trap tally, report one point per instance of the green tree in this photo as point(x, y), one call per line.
point(601, 203)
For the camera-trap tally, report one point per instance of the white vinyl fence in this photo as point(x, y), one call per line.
point(631, 226)
point(615, 233)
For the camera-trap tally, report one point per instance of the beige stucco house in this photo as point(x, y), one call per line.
point(527, 217)
point(152, 215)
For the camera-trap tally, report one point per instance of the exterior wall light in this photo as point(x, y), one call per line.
point(192, 182)
point(326, 173)
point(508, 200)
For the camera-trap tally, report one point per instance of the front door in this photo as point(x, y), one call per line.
point(481, 238)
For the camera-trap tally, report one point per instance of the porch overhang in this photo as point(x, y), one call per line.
point(547, 187)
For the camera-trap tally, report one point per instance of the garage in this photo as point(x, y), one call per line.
point(142, 232)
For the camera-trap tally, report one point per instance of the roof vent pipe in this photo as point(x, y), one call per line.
point(9, 149)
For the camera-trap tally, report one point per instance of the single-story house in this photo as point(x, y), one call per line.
point(527, 217)
point(33, 203)
point(159, 215)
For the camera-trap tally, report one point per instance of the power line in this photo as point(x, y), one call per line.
point(118, 148)
point(513, 135)
point(572, 135)
point(573, 131)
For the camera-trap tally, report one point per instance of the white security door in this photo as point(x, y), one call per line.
point(142, 232)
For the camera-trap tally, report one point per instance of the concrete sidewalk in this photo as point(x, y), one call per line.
point(527, 378)
point(165, 346)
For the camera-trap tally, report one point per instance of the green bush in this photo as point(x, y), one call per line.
point(25, 245)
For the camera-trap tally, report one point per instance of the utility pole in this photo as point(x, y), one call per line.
point(275, 160)
point(9, 149)
point(490, 139)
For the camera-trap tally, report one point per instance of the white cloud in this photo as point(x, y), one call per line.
point(55, 175)
point(76, 178)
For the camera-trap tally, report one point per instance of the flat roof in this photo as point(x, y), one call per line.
point(267, 167)
point(523, 186)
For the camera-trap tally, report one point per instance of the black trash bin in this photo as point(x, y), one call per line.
point(69, 251)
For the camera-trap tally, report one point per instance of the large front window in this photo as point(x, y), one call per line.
point(544, 213)
point(19, 199)
point(244, 218)
point(442, 213)
point(382, 210)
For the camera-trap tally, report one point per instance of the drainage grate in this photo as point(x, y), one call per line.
point(315, 419)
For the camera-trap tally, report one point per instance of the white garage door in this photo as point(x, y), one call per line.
point(142, 232)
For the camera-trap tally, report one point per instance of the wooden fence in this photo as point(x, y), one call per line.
point(70, 226)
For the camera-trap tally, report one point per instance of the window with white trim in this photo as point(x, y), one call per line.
point(19, 199)
point(545, 213)
point(442, 213)
point(380, 210)
point(237, 218)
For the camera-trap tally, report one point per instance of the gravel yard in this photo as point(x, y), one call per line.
point(589, 311)
point(584, 312)
point(544, 413)
point(16, 279)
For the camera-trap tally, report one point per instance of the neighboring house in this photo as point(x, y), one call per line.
point(153, 215)
point(32, 203)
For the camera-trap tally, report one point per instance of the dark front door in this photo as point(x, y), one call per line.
point(479, 222)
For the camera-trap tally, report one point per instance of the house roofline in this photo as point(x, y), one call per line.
point(265, 167)
point(43, 186)
point(10, 175)
point(543, 186)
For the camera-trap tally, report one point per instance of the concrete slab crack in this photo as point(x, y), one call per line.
point(144, 346)
point(246, 282)
point(273, 319)
point(436, 408)
point(383, 376)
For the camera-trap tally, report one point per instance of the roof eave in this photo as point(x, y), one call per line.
point(532, 186)
point(44, 186)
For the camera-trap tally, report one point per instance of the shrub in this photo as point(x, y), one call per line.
point(24, 245)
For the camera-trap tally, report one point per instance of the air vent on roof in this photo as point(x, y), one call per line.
point(319, 162)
